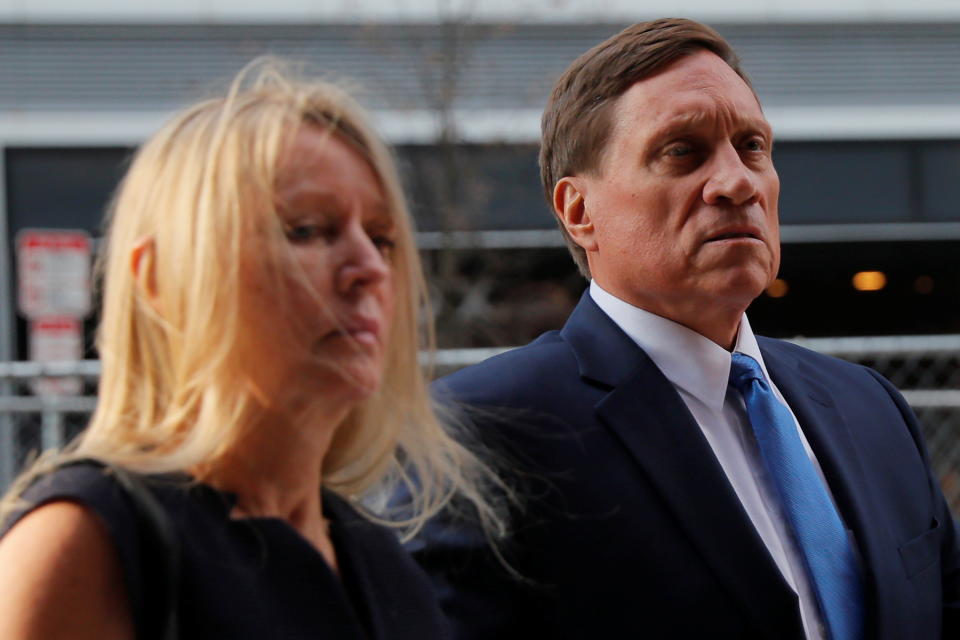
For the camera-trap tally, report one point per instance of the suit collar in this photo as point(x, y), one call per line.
point(691, 362)
point(604, 353)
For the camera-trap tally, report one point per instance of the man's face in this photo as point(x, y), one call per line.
point(684, 207)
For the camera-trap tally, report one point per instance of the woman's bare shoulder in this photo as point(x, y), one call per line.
point(60, 577)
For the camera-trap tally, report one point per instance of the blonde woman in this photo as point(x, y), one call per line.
point(259, 344)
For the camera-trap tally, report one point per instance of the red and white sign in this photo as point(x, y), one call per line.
point(53, 272)
point(56, 339)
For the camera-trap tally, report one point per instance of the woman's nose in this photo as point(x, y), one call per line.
point(362, 264)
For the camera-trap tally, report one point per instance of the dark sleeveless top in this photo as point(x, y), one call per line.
point(256, 578)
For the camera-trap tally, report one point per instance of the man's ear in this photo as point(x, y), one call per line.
point(143, 266)
point(569, 204)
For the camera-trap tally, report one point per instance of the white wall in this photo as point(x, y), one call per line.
point(228, 11)
point(920, 122)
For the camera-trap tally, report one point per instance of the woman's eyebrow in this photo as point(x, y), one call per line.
point(380, 210)
point(379, 219)
point(327, 200)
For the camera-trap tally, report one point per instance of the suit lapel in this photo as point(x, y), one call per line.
point(647, 415)
point(829, 436)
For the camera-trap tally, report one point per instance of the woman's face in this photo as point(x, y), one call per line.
point(337, 282)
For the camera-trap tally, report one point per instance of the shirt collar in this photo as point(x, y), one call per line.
point(689, 360)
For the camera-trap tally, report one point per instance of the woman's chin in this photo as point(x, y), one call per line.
point(353, 384)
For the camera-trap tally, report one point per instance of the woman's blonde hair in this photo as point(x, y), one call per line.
point(172, 396)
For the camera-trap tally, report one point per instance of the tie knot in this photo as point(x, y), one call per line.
point(743, 371)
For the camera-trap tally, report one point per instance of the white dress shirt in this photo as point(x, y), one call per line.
point(699, 369)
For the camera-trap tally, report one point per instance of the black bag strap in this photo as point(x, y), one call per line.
point(162, 617)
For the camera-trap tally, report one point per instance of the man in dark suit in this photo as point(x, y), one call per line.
point(680, 477)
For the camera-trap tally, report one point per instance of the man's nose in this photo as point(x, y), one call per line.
point(361, 262)
point(731, 181)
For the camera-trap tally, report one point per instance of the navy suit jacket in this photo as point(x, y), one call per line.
point(630, 527)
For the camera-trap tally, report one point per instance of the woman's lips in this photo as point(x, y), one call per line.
point(364, 336)
point(365, 331)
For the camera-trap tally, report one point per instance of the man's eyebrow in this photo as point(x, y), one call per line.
point(686, 121)
point(692, 120)
point(689, 120)
point(757, 124)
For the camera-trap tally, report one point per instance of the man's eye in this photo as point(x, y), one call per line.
point(679, 150)
point(755, 144)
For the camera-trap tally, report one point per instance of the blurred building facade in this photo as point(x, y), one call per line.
point(864, 97)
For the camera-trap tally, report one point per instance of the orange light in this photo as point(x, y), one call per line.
point(778, 288)
point(869, 280)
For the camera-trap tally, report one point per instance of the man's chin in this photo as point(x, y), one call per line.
point(739, 287)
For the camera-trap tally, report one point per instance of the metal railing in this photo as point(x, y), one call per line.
point(31, 423)
point(925, 368)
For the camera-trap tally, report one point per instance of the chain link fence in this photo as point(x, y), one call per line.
point(925, 368)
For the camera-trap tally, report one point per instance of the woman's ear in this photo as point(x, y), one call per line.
point(143, 266)
point(570, 206)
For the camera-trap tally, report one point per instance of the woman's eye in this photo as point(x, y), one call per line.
point(384, 244)
point(306, 232)
point(302, 232)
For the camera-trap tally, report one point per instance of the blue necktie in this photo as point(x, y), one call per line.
point(816, 525)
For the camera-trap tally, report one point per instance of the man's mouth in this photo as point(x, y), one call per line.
point(728, 236)
point(736, 233)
